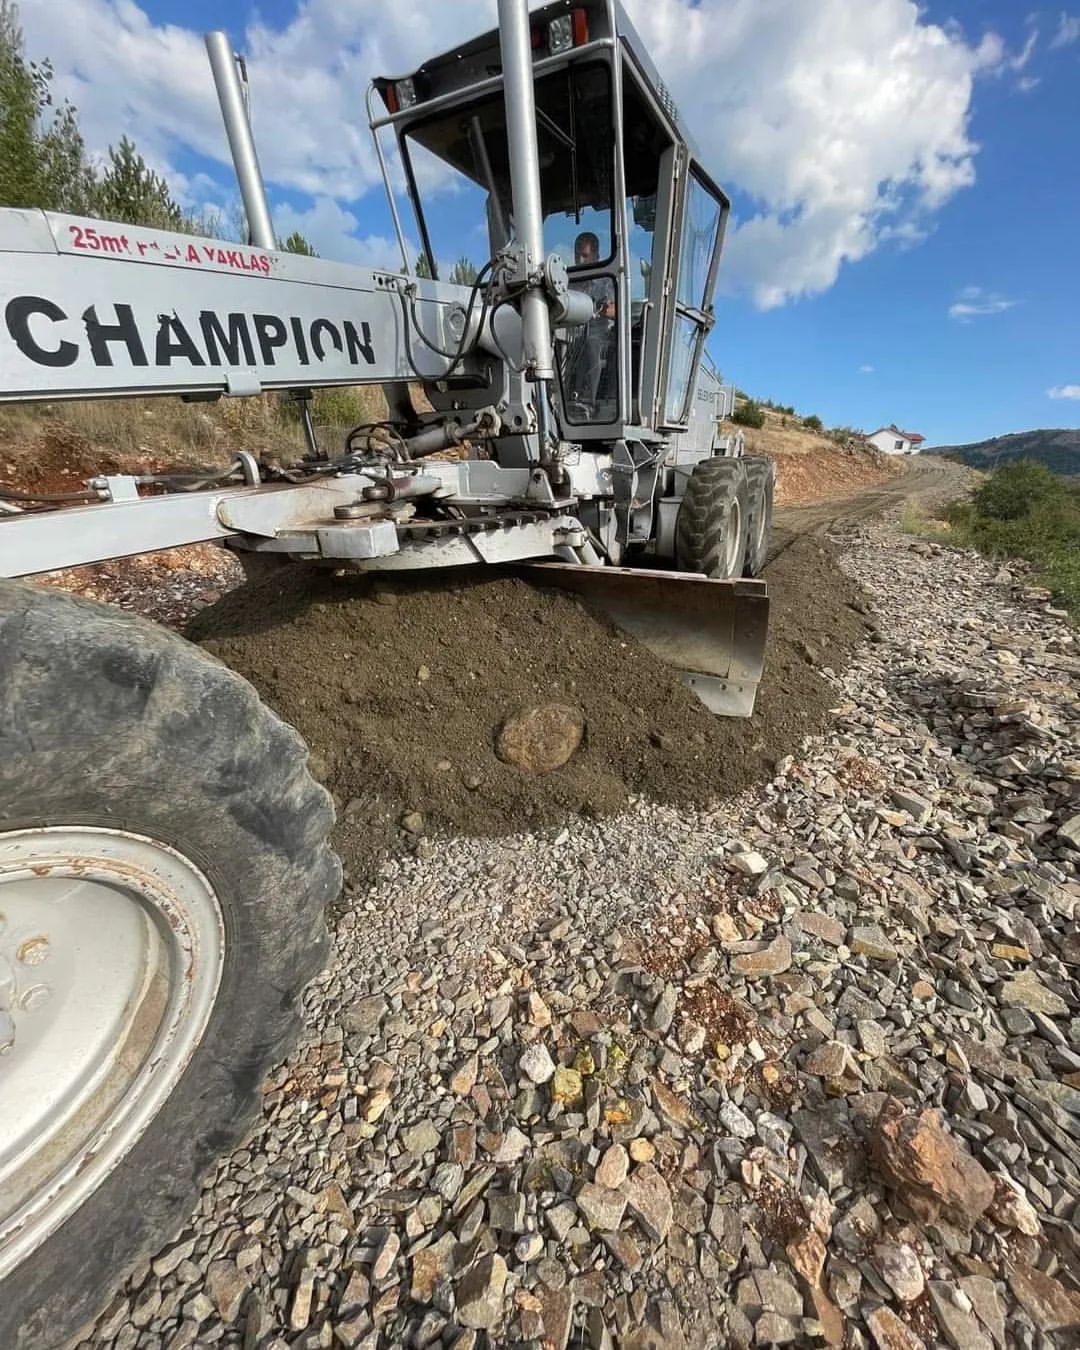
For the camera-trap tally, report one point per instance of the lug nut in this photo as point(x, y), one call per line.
point(33, 951)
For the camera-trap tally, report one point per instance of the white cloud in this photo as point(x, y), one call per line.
point(866, 370)
point(1064, 391)
point(845, 125)
point(843, 122)
point(975, 303)
point(1068, 31)
point(1027, 83)
point(1020, 60)
point(333, 232)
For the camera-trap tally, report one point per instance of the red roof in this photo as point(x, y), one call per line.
point(912, 436)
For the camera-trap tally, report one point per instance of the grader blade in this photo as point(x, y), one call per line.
point(712, 632)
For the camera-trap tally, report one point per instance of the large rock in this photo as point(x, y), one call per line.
point(542, 738)
point(602, 1207)
point(829, 1135)
point(958, 1323)
point(226, 1285)
point(613, 1167)
point(364, 1015)
point(1028, 992)
point(649, 1200)
point(890, 1333)
point(806, 1252)
point(899, 1266)
point(870, 940)
point(536, 1063)
point(1046, 1301)
point(933, 1172)
point(1069, 832)
point(822, 926)
point(480, 1293)
point(772, 960)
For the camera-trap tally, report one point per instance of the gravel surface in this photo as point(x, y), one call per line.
point(168, 587)
point(800, 1070)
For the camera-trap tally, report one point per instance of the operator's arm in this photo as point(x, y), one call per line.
point(599, 289)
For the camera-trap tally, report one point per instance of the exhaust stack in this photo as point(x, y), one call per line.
point(230, 77)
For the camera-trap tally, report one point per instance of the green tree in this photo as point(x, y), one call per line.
point(814, 422)
point(749, 414)
point(296, 243)
point(423, 267)
point(463, 273)
point(20, 164)
point(132, 192)
point(70, 180)
point(42, 155)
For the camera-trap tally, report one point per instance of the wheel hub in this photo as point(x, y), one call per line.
point(111, 949)
point(733, 562)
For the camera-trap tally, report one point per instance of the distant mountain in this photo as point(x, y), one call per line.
point(1058, 450)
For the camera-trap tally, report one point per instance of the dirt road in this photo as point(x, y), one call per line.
point(928, 479)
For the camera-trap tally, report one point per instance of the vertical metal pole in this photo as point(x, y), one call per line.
point(405, 261)
point(519, 96)
point(230, 94)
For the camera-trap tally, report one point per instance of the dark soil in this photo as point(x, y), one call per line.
point(400, 684)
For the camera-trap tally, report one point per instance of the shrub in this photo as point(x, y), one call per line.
point(1024, 511)
point(1014, 489)
point(814, 422)
point(749, 414)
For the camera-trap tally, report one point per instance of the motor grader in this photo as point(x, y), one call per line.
point(164, 865)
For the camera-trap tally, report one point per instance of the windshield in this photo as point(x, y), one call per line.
point(460, 165)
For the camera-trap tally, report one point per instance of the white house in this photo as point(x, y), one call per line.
point(892, 441)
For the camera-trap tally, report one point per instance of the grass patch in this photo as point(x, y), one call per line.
point(40, 440)
point(1024, 511)
point(914, 520)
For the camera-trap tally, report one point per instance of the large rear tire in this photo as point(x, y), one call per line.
point(711, 527)
point(164, 873)
point(760, 483)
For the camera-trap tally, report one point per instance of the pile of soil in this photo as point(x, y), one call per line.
point(400, 685)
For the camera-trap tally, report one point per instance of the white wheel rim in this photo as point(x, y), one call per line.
point(111, 951)
point(759, 533)
point(732, 561)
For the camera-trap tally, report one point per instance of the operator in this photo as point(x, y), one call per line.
point(597, 343)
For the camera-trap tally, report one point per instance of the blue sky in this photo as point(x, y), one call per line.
point(905, 180)
point(1015, 234)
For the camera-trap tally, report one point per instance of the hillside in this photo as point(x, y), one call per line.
point(1058, 449)
point(812, 467)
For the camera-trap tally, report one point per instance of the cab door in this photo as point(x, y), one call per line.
point(697, 241)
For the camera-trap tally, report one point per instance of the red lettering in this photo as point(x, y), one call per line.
point(193, 254)
point(264, 263)
point(233, 258)
point(76, 232)
point(208, 249)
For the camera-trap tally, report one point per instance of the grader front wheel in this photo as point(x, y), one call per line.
point(163, 876)
point(712, 524)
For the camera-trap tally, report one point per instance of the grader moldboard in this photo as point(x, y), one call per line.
point(164, 865)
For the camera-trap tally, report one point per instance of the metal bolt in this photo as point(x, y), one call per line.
point(33, 951)
point(34, 997)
